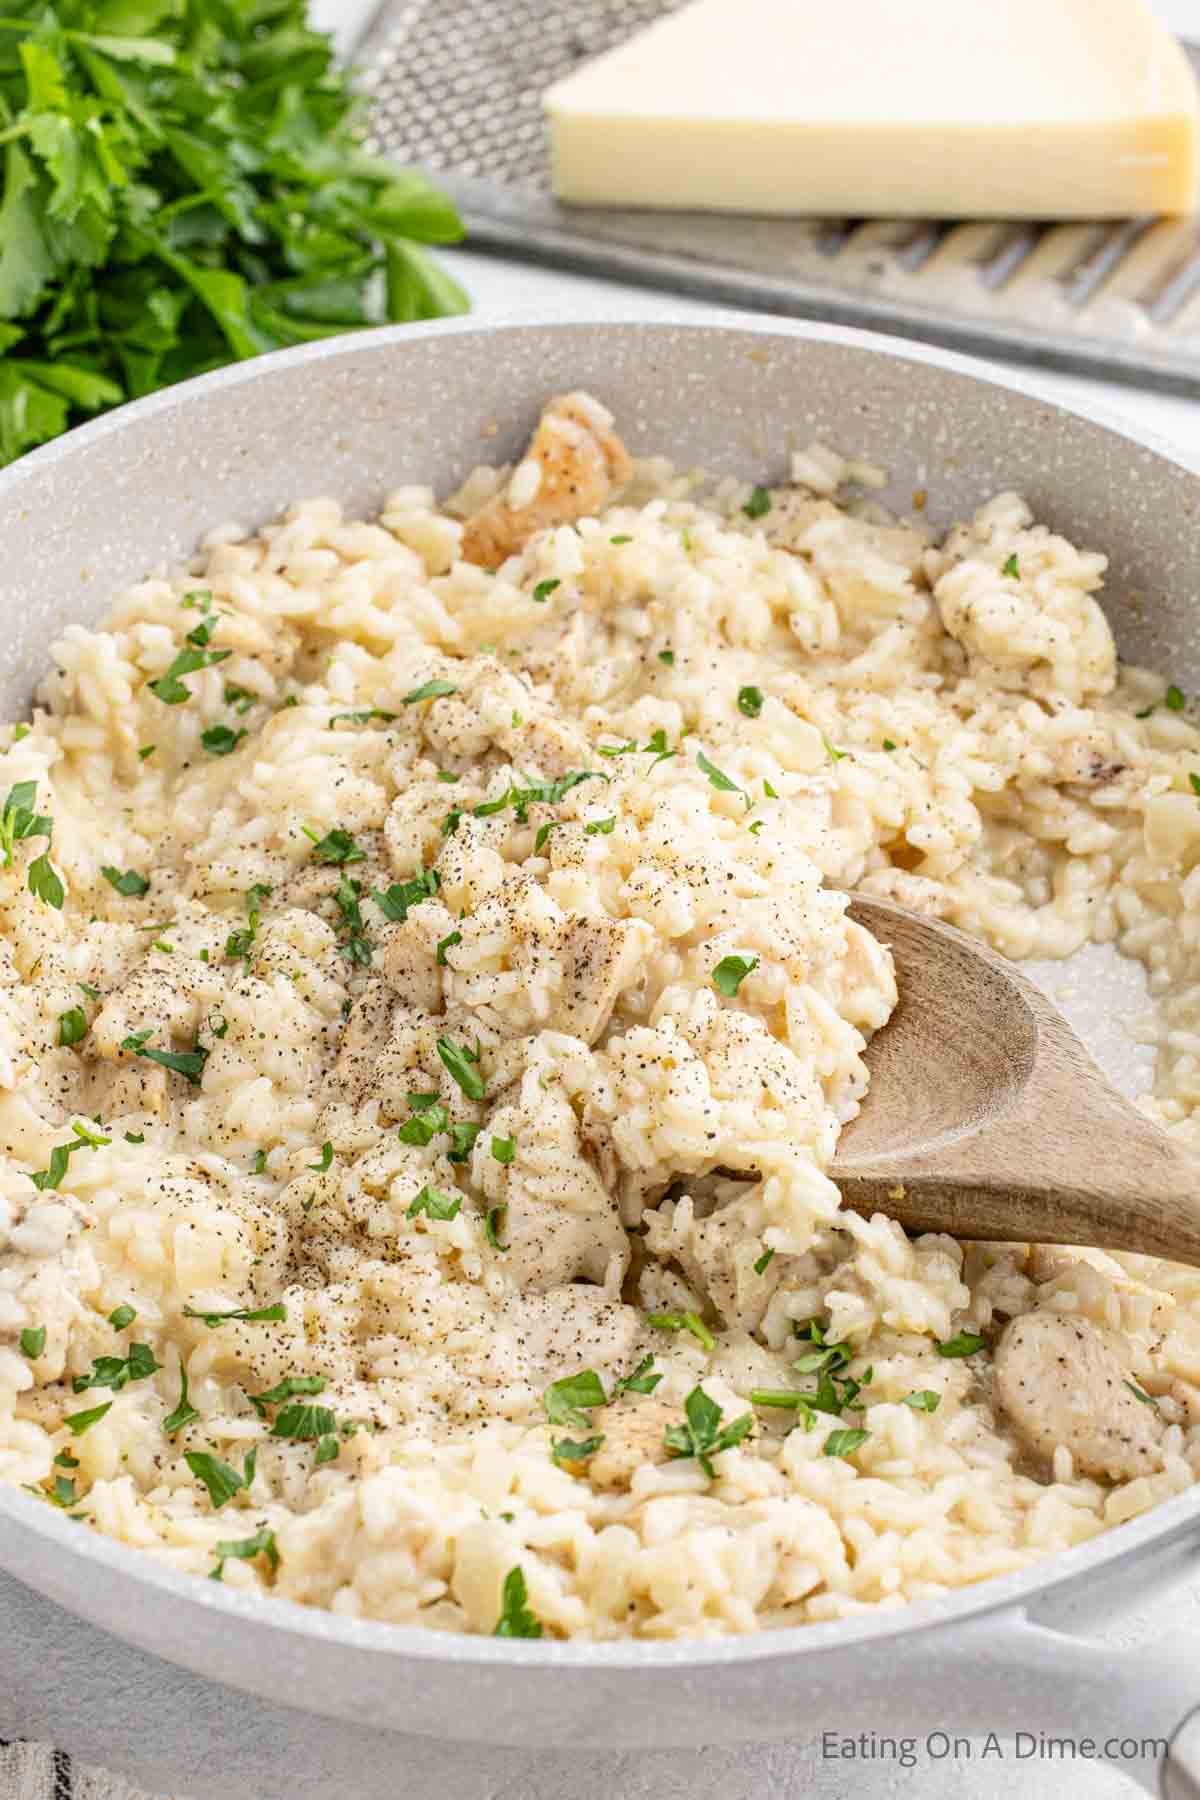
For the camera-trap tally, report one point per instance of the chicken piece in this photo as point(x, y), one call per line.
point(368, 1030)
point(599, 958)
point(548, 1244)
point(410, 964)
point(1061, 1381)
point(1054, 1262)
point(568, 472)
point(570, 1328)
point(633, 1435)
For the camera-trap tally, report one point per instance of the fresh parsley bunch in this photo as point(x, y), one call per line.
point(185, 185)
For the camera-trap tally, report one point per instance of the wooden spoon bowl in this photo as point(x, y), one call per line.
point(987, 1118)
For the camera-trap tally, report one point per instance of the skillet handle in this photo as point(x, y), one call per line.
point(1135, 1707)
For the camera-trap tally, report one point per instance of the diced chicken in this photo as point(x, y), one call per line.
point(1062, 1381)
point(598, 957)
point(573, 462)
point(574, 1327)
point(1049, 1263)
point(548, 1244)
point(368, 1029)
point(633, 1435)
point(410, 965)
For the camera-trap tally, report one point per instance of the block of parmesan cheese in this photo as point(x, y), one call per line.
point(1053, 109)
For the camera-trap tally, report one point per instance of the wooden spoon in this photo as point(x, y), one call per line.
point(987, 1118)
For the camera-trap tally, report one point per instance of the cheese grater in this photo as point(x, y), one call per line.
point(456, 85)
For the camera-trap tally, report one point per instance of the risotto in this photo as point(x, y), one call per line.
point(427, 1014)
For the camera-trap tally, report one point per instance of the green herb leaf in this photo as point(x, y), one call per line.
point(718, 779)
point(1194, 781)
point(402, 894)
point(503, 1149)
point(644, 1379)
point(569, 1450)
point(246, 1549)
point(116, 1372)
point(287, 1389)
point(688, 1321)
point(1141, 1394)
point(668, 657)
point(447, 943)
point(493, 1225)
point(251, 1315)
point(326, 1158)
point(185, 1413)
point(730, 973)
point(328, 1450)
point(127, 882)
point(516, 1620)
point(702, 1435)
point(567, 1402)
point(337, 847)
point(364, 717)
point(43, 882)
point(78, 1423)
point(429, 690)
point(923, 1400)
point(462, 1065)
point(844, 1442)
point(302, 1422)
point(221, 1481)
point(169, 687)
point(188, 1063)
point(1012, 568)
point(220, 740)
point(434, 1204)
point(758, 505)
point(750, 701)
point(888, 744)
point(762, 1262)
point(259, 1164)
point(33, 1341)
point(963, 1343)
point(544, 589)
point(1174, 699)
point(831, 750)
point(72, 1026)
point(600, 828)
point(121, 1317)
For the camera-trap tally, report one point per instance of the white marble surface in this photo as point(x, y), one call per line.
point(172, 1733)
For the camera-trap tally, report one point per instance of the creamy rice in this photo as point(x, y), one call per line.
point(775, 697)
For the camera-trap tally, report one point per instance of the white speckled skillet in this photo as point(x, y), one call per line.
point(355, 417)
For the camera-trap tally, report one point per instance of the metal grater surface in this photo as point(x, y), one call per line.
point(456, 85)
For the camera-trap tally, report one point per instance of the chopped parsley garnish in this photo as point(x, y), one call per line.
point(127, 882)
point(355, 948)
point(121, 1317)
point(750, 701)
point(61, 1155)
point(569, 1450)
point(516, 1620)
point(644, 1379)
point(64, 1460)
point(463, 1066)
point(240, 698)
point(78, 1423)
point(19, 820)
point(544, 589)
point(169, 688)
point(923, 1400)
point(303, 1423)
point(1194, 780)
point(1174, 699)
point(88, 991)
point(337, 846)
point(326, 1158)
point(259, 1164)
point(146, 752)
point(687, 1321)
point(72, 1026)
point(394, 904)
point(521, 799)
point(622, 537)
point(568, 1402)
point(963, 1343)
point(250, 1315)
point(188, 1063)
point(758, 505)
point(239, 943)
point(845, 1441)
point(730, 973)
point(447, 943)
point(429, 1117)
point(33, 1341)
point(221, 1481)
point(328, 1450)
point(763, 1262)
point(429, 690)
point(365, 716)
point(544, 831)
point(668, 657)
point(447, 776)
point(769, 791)
point(185, 1413)
point(44, 883)
point(20, 731)
point(287, 1389)
point(835, 1392)
point(434, 1204)
point(218, 1024)
point(1012, 568)
point(600, 828)
point(721, 781)
point(135, 1137)
point(116, 1371)
point(220, 740)
point(503, 1149)
point(831, 750)
point(1141, 1394)
point(245, 1549)
point(493, 1225)
point(702, 1435)
point(888, 744)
